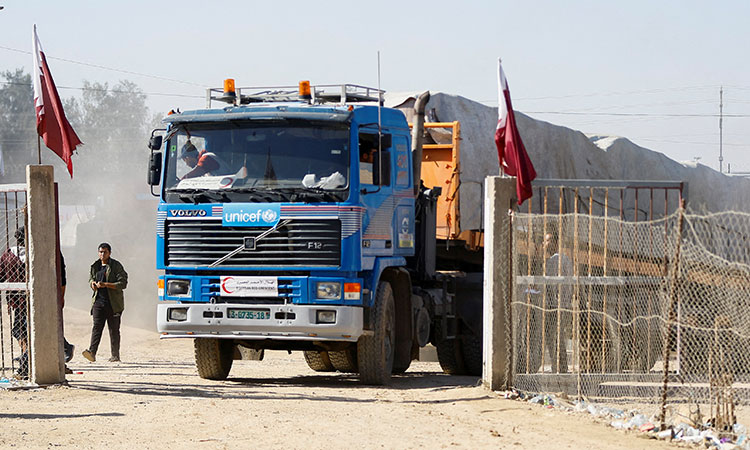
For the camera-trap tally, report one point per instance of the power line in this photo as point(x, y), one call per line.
point(615, 93)
point(116, 91)
point(570, 113)
point(669, 141)
point(642, 105)
point(129, 72)
point(608, 94)
point(692, 135)
point(591, 113)
point(493, 102)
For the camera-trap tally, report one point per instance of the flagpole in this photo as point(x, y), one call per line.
point(51, 123)
point(39, 148)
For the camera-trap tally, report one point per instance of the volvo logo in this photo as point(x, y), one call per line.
point(187, 212)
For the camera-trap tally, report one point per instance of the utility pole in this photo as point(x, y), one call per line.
point(721, 128)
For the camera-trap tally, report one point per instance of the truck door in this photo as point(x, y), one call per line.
point(403, 194)
point(376, 194)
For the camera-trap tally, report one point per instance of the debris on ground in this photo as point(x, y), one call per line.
point(14, 383)
point(649, 426)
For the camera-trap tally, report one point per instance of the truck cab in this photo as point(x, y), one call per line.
point(285, 222)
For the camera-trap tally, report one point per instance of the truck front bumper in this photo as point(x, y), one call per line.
point(283, 322)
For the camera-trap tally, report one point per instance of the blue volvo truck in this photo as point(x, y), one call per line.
point(294, 219)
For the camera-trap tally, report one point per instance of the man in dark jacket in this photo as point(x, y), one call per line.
point(107, 279)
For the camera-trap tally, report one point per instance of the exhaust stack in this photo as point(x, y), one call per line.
point(417, 138)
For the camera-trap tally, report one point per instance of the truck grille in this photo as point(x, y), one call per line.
point(300, 243)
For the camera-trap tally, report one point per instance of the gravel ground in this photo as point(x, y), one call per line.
point(155, 399)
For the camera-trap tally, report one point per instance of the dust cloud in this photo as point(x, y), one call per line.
point(108, 200)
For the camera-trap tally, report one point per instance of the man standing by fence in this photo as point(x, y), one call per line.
point(107, 279)
point(13, 270)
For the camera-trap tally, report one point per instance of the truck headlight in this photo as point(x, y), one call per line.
point(177, 314)
point(178, 288)
point(328, 290)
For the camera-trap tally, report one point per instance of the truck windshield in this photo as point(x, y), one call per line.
point(242, 161)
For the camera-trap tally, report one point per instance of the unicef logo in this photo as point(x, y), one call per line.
point(269, 215)
point(259, 214)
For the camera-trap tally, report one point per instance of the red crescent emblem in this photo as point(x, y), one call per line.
point(224, 285)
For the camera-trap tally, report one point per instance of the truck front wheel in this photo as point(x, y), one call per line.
point(213, 358)
point(318, 361)
point(375, 352)
point(344, 360)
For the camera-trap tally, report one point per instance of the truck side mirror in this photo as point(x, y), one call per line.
point(154, 168)
point(155, 142)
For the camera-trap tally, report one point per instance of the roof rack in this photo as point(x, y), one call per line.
point(322, 93)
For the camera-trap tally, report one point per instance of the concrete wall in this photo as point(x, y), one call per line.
point(499, 198)
point(48, 366)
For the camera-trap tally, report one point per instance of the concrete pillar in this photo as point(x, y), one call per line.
point(48, 365)
point(499, 198)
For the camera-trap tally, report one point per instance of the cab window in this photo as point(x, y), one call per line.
point(374, 165)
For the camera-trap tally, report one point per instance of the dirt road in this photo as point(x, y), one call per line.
point(154, 399)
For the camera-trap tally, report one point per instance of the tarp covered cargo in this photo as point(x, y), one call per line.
point(560, 152)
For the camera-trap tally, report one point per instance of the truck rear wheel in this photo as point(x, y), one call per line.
point(471, 349)
point(213, 358)
point(344, 360)
point(318, 361)
point(399, 369)
point(375, 352)
point(449, 354)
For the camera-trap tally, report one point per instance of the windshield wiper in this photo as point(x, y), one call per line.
point(245, 189)
point(195, 195)
point(316, 193)
point(260, 194)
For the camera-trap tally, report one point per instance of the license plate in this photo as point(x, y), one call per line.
point(248, 314)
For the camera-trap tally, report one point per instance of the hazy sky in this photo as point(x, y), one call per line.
point(646, 70)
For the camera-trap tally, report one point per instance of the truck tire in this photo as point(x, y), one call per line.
point(344, 360)
point(400, 368)
point(318, 361)
point(449, 354)
point(471, 349)
point(213, 358)
point(375, 352)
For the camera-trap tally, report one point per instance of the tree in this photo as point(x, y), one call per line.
point(113, 123)
point(17, 124)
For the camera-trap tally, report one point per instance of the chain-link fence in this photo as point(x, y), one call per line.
point(654, 311)
point(14, 306)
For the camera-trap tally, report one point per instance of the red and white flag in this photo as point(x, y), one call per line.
point(510, 149)
point(51, 123)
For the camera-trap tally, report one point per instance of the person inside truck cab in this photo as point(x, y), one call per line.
point(202, 163)
point(366, 160)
